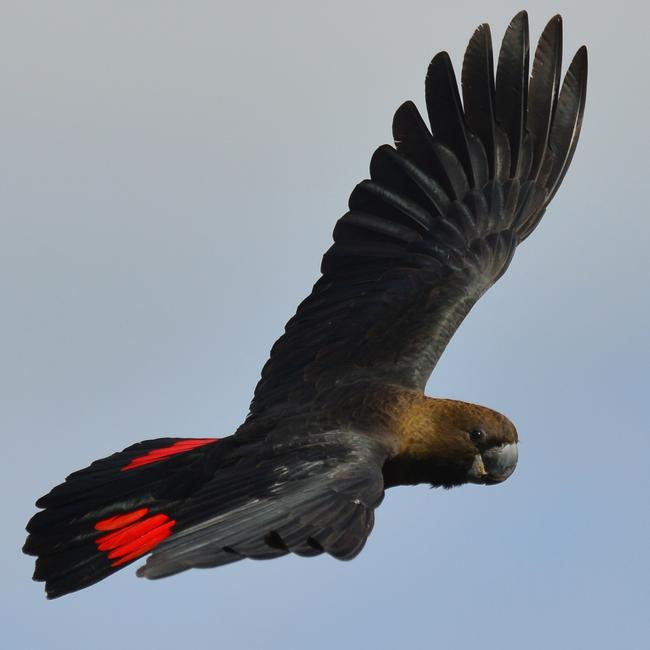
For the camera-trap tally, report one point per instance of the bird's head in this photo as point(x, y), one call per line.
point(491, 439)
point(448, 443)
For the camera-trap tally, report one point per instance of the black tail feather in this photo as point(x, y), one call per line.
point(114, 511)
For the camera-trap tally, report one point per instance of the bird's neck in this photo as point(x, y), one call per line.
point(427, 440)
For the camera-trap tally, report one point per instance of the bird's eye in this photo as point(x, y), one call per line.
point(477, 434)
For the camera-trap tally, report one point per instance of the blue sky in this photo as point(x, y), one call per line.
point(171, 173)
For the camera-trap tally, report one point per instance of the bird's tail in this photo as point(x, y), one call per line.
point(114, 511)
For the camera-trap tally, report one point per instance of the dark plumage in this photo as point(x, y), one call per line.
point(339, 413)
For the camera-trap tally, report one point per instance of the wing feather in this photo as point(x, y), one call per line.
point(446, 112)
point(478, 92)
point(436, 224)
point(544, 88)
point(512, 87)
point(567, 120)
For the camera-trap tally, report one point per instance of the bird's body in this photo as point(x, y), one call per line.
point(340, 414)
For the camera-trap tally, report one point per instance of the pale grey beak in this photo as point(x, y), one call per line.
point(494, 465)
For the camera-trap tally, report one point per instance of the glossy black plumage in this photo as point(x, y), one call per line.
point(309, 496)
point(437, 223)
point(63, 534)
point(339, 412)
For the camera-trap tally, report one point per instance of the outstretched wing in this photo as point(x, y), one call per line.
point(303, 494)
point(438, 222)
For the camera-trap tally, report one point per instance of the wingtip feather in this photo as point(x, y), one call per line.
point(512, 86)
point(445, 111)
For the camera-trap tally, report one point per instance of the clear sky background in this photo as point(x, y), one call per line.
point(170, 174)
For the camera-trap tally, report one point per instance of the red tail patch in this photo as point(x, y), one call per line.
point(179, 447)
point(119, 521)
point(132, 535)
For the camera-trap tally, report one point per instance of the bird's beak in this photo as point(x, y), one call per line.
point(494, 465)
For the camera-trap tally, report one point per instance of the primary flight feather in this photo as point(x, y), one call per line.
point(339, 413)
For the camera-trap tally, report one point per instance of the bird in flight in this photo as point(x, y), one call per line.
point(339, 413)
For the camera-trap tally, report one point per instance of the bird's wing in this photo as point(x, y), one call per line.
point(438, 221)
point(300, 494)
